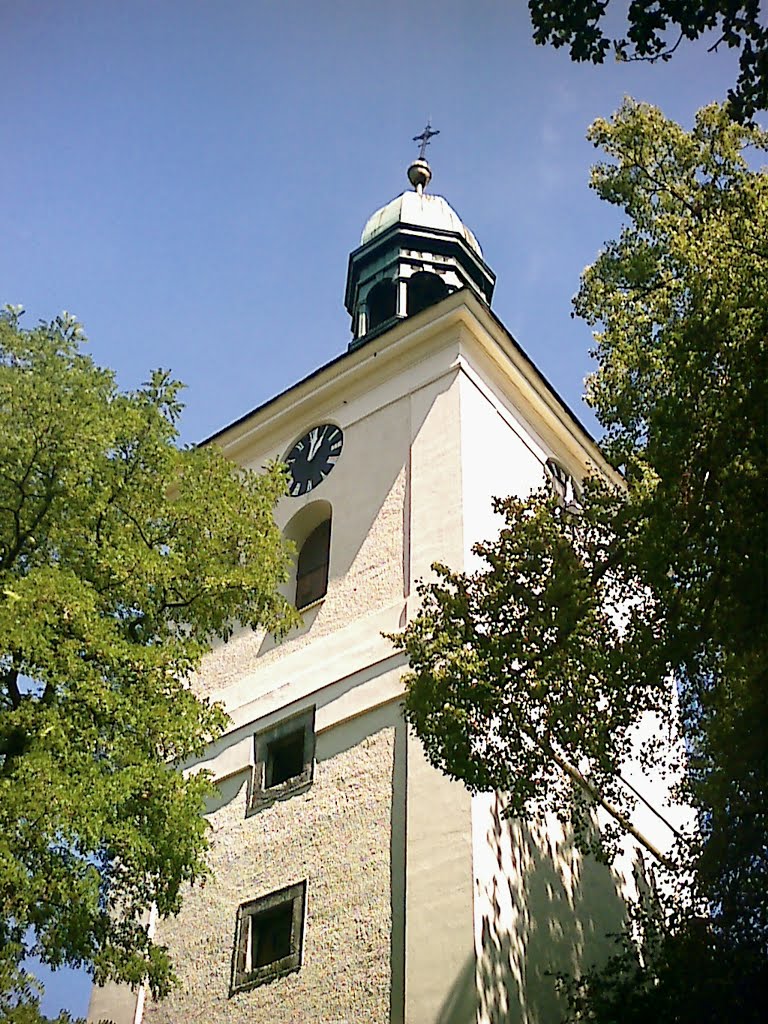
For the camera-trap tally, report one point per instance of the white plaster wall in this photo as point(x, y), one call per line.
point(115, 1003)
point(439, 956)
point(335, 701)
point(366, 490)
point(436, 477)
point(539, 906)
point(439, 953)
point(499, 457)
point(401, 453)
point(430, 435)
point(396, 495)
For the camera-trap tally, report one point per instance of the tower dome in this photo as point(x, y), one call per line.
point(423, 209)
point(413, 252)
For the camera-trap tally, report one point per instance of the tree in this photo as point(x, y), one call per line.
point(655, 29)
point(687, 975)
point(546, 657)
point(122, 556)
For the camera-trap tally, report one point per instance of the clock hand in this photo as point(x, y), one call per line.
point(314, 444)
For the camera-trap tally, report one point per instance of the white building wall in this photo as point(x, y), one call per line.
point(540, 907)
point(433, 428)
point(395, 495)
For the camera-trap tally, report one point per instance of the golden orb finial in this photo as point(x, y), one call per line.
point(419, 174)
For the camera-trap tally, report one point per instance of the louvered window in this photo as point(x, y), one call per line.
point(312, 566)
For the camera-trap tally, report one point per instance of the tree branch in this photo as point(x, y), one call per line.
point(592, 791)
point(10, 680)
point(651, 58)
point(650, 806)
point(714, 47)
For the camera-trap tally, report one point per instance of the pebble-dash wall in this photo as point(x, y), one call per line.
point(337, 836)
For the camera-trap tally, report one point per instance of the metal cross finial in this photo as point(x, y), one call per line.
point(424, 138)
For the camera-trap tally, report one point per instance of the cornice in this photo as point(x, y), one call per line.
point(353, 371)
point(462, 317)
point(540, 401)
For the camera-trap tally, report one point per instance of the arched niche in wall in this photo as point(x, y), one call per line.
point(310, 532)
point(425, 289)
point(382, 303)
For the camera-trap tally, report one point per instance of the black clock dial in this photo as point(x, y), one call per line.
point(313, 457)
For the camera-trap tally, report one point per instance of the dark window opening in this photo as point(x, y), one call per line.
point(271, 935)
point(312, 566)
point(285, 758)
point(425, 289)
point(382, 303)
point(268, 937)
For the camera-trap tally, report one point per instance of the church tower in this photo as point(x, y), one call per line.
point(352, 882)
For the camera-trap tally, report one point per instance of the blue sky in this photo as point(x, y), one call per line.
point(189, 177)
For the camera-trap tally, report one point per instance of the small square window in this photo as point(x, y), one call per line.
point(268, 937)
point(284, 757)
point(271, 935)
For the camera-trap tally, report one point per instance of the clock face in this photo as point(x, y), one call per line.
point(313, 457)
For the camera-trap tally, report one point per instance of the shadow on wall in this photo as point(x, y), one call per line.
point(227, 791)
point(460, 1006)
point(548, 909)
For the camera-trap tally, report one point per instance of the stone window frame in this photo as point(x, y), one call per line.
point(261, 795)
point(245, 977)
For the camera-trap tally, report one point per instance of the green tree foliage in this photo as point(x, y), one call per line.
point(691, 974)
point(122, 556)
point(543, 659)
point(655, 29)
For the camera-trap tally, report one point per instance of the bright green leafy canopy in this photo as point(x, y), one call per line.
point(542, 660)
point(122, 556)
point(655, 29)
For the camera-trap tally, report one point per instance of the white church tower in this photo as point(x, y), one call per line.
point(353, 883)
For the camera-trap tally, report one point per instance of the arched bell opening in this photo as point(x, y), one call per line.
point(425, 289)
point(382, 303)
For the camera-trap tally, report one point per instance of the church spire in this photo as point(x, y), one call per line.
point(414, 252)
